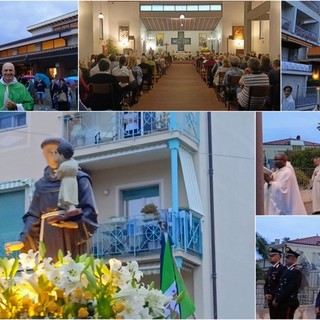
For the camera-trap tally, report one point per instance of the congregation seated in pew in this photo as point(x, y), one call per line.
point(128, 87)
point(254, 78)
point(105, 101)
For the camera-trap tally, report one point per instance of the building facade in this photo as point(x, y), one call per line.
point(141, 158)
point(300, 32)
point(52, 48)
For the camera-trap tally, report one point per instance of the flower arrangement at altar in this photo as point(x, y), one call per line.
point(205, 50)
point(76, 288)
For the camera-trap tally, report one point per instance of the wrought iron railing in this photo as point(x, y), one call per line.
point(142, 235)
point(91, 128)
point(306, 34)
point(286, 24)
point(306, 98)
point(293, 66)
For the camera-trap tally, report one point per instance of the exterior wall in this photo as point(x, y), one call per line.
point(21, 147)
point(234, 165)
point(132, 176)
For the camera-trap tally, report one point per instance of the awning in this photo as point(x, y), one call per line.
point(190, 180)
point(16, 184)
point(296, 40)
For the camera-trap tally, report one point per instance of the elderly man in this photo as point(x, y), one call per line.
point(272, 280)
point(105, 101)
point(60, 231)
point(286, 298)
point(282, 195)
point(14, 96)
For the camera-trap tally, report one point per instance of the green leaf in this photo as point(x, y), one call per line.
point(104, 308)
point(91, 279)
point(60, 256)
point(42, 249)
point(14, 269)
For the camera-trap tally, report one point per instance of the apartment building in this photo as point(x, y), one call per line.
point(143, 160)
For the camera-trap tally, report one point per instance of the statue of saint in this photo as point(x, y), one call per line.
point(69, 229)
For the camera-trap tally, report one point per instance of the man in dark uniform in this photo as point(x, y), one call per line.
point(273, 276)
point(286, 296)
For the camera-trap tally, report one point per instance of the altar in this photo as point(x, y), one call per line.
point(181, 55)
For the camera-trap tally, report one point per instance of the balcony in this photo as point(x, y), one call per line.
point(296, 67)
point(286, 24)
point(306, 34)
point(87, 129)
point(141, 236)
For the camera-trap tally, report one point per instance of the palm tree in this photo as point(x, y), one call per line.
point(285, 240)
point(262, 249)
point(262, 246)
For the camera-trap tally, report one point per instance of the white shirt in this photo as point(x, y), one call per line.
point(288, 104)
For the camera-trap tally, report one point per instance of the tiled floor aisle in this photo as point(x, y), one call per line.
point(181, 89)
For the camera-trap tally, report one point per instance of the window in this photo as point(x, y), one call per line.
point(56, 43)
point(31, 48)
point(181, 7)
point(9, 120)
point(22, 49)
point(11, 211)
point(135, 199)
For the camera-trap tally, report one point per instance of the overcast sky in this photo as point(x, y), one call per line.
point(293, 227)
point(281, 125)
point(16, 16)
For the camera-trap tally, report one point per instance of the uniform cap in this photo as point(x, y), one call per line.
point(290, 252)
point(274, 250)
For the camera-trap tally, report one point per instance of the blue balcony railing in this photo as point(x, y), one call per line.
point(91, 128)
point(142, 235)
point(286, 24)
point(306, 34)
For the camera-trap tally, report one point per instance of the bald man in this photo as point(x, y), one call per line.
point(14, 96)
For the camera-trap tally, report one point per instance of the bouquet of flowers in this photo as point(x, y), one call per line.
point(76, 288)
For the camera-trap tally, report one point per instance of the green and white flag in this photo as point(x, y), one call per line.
point(172, 284)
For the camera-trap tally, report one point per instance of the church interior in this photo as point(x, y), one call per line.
point(180, 36)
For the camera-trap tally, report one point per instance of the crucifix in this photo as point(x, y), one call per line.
point(180, 41)
point(166, 44)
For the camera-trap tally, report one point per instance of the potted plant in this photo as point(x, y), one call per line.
point(151, 210)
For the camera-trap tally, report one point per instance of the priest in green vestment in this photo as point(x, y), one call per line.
point(14, 96)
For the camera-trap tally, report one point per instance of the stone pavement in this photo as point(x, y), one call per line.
point(47, 103)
